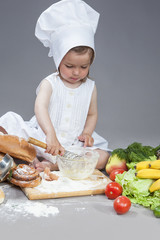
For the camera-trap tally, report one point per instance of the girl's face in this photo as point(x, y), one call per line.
point(74, 67)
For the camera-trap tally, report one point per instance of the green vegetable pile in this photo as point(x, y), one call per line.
point(136, 152)
point(137, 190)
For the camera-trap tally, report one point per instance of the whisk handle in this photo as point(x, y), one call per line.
point(37, 142)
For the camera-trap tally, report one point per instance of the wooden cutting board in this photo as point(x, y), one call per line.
point(96, 179)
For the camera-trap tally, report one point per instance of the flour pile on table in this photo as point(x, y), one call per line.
point(65, 184)
point(15, 208)
point(38, 209)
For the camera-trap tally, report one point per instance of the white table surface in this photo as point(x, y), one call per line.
point(85, 217)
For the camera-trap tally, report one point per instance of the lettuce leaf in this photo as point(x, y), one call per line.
point(137, 190)
point(132, 164)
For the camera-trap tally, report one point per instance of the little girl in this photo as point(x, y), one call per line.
point(66, 103)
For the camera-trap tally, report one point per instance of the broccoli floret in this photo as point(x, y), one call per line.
point(136, 157)
point(135, 152)
point(148, 150)
point(121, 153)
point(156, 150)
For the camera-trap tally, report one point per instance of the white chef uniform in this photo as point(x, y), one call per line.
point(64, 25)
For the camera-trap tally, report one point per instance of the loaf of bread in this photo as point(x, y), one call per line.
point(17, 147)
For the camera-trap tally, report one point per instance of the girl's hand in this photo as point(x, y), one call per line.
point(87, 139)
point(53, 145)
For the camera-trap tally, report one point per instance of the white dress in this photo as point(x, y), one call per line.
point(68, 111)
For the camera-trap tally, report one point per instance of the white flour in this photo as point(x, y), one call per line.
point(65, 184)
point(80, 209)
point(14, 209)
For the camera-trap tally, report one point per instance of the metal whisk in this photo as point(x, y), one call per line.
point(67, 154)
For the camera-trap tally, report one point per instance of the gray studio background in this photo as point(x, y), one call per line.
point(126, 68)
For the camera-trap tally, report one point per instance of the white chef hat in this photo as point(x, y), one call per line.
point(66, 24)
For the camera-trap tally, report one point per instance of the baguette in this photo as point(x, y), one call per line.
point(17, 147)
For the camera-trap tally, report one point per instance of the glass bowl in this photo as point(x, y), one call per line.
point(80, 168)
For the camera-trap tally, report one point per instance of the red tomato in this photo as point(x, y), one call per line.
point(113, 174)
point(122, 204)
point(113, 190)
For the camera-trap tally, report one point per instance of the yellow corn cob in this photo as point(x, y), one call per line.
point(142, 165)
point(155, 186)
point(155, 164)
point(148, 173)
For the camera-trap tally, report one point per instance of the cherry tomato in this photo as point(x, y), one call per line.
point(113, 190)
point(113, 174)
point(122, 204)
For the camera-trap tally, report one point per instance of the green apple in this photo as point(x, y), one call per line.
point(114, 162)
